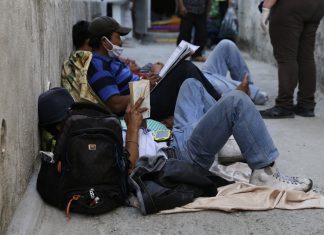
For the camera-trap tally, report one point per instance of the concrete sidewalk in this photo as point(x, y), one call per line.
point(300, 142)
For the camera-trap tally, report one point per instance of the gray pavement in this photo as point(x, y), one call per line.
point(300, 142)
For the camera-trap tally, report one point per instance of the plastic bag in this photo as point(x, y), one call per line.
point(229, 27)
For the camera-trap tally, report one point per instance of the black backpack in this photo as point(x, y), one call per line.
point(91, 167)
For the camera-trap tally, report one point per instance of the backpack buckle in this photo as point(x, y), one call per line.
point(92, 147)
point(95, 199)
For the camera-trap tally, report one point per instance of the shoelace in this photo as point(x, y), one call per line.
point(286, 179)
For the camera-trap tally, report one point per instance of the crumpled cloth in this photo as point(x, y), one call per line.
point(239, 171)
point(246, 197)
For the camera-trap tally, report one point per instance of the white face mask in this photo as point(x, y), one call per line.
point(116, 51)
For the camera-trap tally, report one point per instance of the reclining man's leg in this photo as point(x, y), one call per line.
point(198, 138)
point(226, 57)
point(233, 114)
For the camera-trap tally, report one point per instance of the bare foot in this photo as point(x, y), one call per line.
point(244, 86)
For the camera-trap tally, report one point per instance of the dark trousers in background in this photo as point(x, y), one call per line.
point(140, 18)
point(293, 26)
point(222, 9)
point(164, 97)
point(199, 22)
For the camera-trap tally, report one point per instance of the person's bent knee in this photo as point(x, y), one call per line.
point(227, 43)
point(189, 83)
point(236, 96)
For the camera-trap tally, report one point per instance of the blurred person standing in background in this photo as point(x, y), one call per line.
point(293, 25)
point(194, 14)
point(140, 18)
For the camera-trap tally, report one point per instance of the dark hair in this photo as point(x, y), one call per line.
point(95, 42)
point(80, 33)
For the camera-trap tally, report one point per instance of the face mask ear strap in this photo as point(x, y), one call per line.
point(104, 38)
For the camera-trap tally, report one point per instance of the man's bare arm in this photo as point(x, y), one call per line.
point(133, 119)
point(269, 3)
point(182, 8)
point(118, 103)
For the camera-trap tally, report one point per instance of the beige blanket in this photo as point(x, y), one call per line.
point(243, 196)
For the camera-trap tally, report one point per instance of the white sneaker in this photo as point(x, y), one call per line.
point(270, 176)
point(261, 98)
point(230, 153)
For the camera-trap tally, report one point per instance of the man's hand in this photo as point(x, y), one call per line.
point(244, 86)
point(269, 3)
point(156, 67)
point(154, 79)
point(133, 115)
point(133, 118)
point(133, 66)
point(265, 19)
point(182, 10)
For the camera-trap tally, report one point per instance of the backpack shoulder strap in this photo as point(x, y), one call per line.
point(208, 86)
point(92, 106)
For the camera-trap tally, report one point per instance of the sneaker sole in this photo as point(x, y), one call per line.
point(278, 117)
point(305, 115)
point(310, 186)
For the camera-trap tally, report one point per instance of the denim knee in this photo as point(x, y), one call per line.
point(236, 96)
point(228, 44)
point(189, 84)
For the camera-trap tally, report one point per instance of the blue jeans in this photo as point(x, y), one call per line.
point(227, 57)
point(202, 126)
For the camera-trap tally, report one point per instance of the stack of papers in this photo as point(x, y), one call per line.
point(183, 50)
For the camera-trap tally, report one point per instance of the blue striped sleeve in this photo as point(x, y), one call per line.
point(102, 83)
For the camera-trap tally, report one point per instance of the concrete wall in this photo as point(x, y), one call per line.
point(35, 37)
point(253, 39)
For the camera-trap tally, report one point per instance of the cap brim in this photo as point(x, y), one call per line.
point(123, 31)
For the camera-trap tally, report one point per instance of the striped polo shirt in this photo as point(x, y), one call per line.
point(109, 76)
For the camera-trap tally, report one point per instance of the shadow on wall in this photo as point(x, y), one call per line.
point(37, 60)
point(3, 136)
